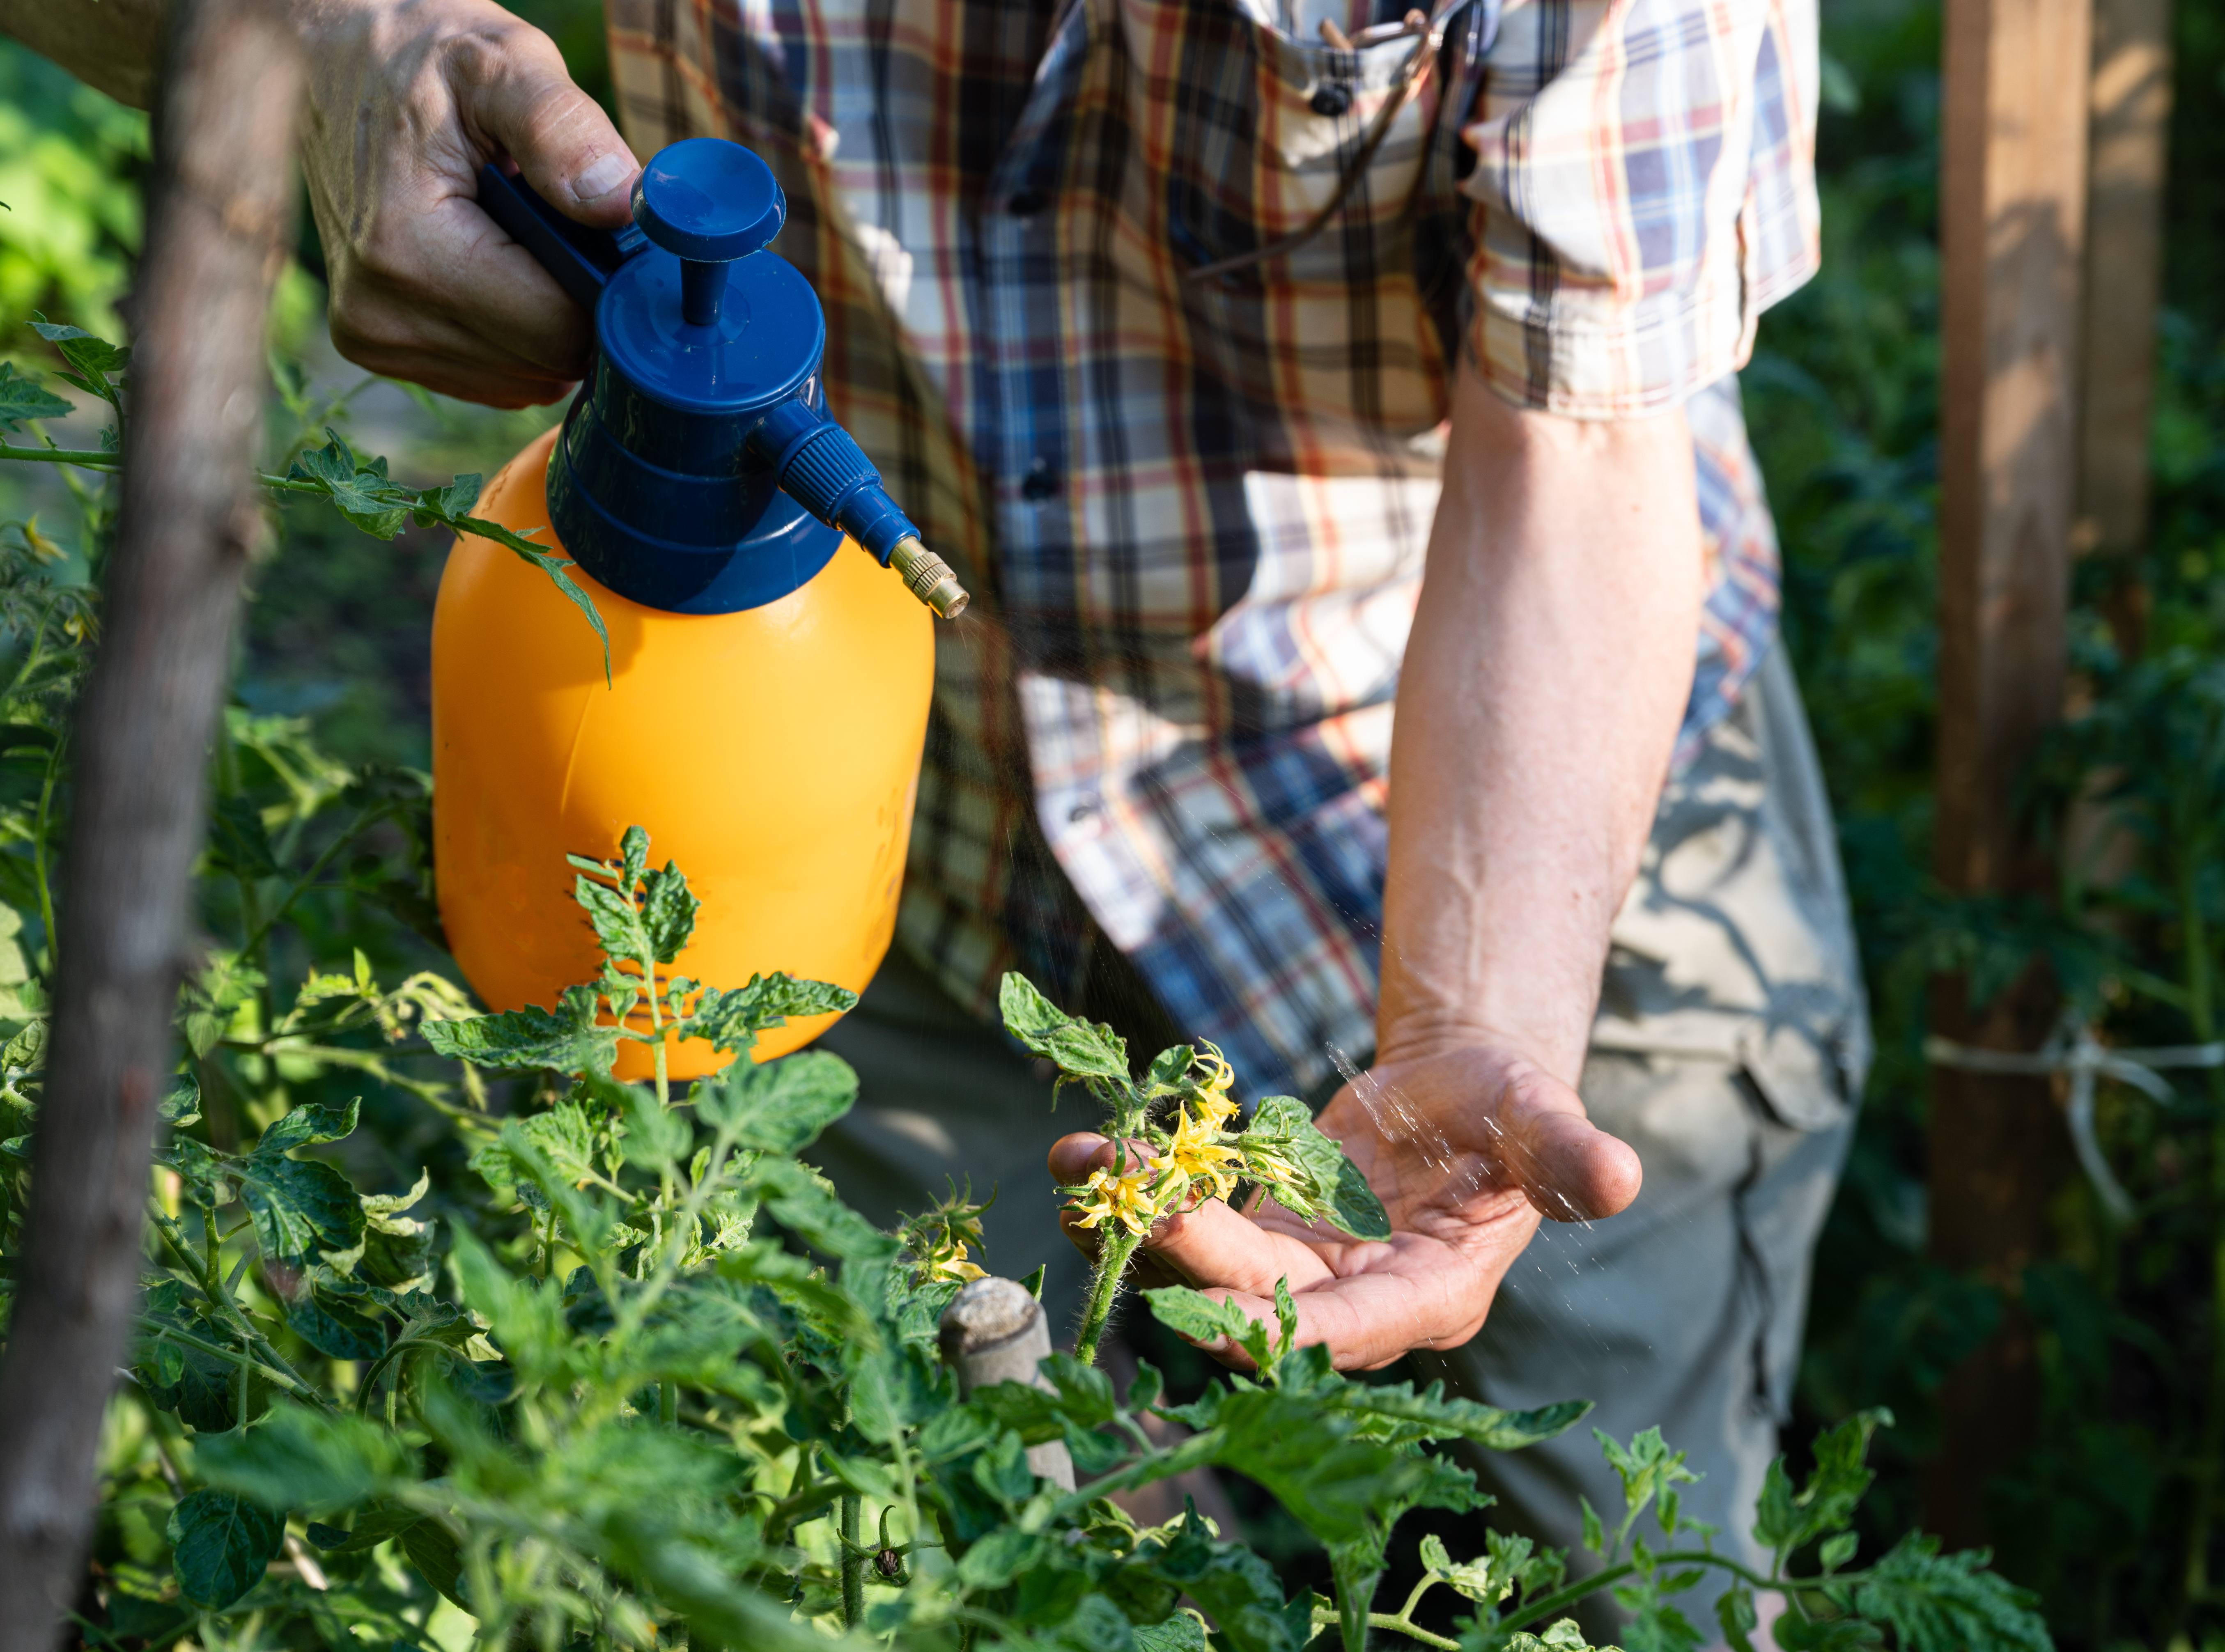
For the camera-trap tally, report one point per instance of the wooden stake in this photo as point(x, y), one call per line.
point(2124, 279)
point(2011, 223)
point(220, 211)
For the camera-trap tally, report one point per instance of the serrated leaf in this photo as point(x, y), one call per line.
point(299, 1208)
point(780, 1106)
point(1947, 1603)
point(731, 1018)
point(21, 397)
point(1080, 1049)
point(1206, 1319)
point(616, 919)
point(668, 912)
point(220, 1544)
point(569, 1040)
point(1328, 1187)
point(309, 1125)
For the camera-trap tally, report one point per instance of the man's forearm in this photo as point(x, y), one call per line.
point(115, 45)
point(1547, 671)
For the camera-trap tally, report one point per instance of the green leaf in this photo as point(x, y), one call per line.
point(668, 912)
point(221, 1543)
point(1328, 1186)
point(1827, 1501)
point(1183, 1632)
point(21, 397)
point(1647, 1468)
point(616, 919)
point(780, 1106)
point(329, 1324)
point(1169, 1070)
point(1397, 1412)
point(1595, 1531)
point(181, 1107)
point(1206, 1320)
point(1734, 1611)
point(1081, 1049)
point(1947, 1603)
point(1837, 1551)
point(374, 1523)
point(309, 1125)
point(200, 1388)
point(95, 359)
point(299, 1208)
point(731, 1019)
point(569, 1040)
point(299, 1458)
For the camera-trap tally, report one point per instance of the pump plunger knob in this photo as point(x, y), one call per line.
point(708, 202)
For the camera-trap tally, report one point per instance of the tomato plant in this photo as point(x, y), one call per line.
point(609, 1365)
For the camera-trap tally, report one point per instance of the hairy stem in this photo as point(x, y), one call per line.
point(854, 1563)
point(1112, 1253)
point(1411, 1631)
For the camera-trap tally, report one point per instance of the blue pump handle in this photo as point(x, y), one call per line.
point(580, 257)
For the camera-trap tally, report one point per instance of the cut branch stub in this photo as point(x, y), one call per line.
point(994, 1331)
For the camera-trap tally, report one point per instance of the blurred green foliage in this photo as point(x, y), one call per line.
point(69, 166)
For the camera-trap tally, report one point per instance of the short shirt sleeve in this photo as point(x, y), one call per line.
point(1644, 188)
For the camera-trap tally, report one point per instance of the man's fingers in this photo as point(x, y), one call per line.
point(560, 137)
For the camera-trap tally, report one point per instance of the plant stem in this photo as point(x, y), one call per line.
point(92, 459)
point(1410, 1629)
point(854, 1563)
point(667, 1402)
point(1355, 1593)
point(39, 867)
point(1112, 1253)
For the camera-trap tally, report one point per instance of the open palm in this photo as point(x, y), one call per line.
point(1467, 1148)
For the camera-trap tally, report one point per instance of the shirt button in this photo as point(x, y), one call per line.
point(1026, 203)
point(1332, 100)
point(1040, 483)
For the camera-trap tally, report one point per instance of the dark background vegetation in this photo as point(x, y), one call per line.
point(1842, 402)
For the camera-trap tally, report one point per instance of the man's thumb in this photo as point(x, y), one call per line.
point(560, 137)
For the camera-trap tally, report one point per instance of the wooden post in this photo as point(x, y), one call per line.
point(2012, 218)
point(220, 221)
point(2131, 117)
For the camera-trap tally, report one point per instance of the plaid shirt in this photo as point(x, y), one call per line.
point(1193, 512)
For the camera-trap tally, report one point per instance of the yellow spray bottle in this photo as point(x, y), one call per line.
point(771, 655)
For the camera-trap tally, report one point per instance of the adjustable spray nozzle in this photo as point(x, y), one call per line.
point(817, 465)
point(744, 361)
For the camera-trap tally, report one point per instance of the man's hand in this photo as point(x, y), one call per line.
point(1542, 686)
point(1465, 1148)
point(408, 99)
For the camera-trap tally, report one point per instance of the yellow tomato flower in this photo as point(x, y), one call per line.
point(1125, 1198)
point(950, 1265)
point(1199, 1156)
point(1214, 1104)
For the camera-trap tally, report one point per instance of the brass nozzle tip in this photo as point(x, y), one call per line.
point(928, 577)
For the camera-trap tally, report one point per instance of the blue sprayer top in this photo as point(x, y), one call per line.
point(698, 471)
